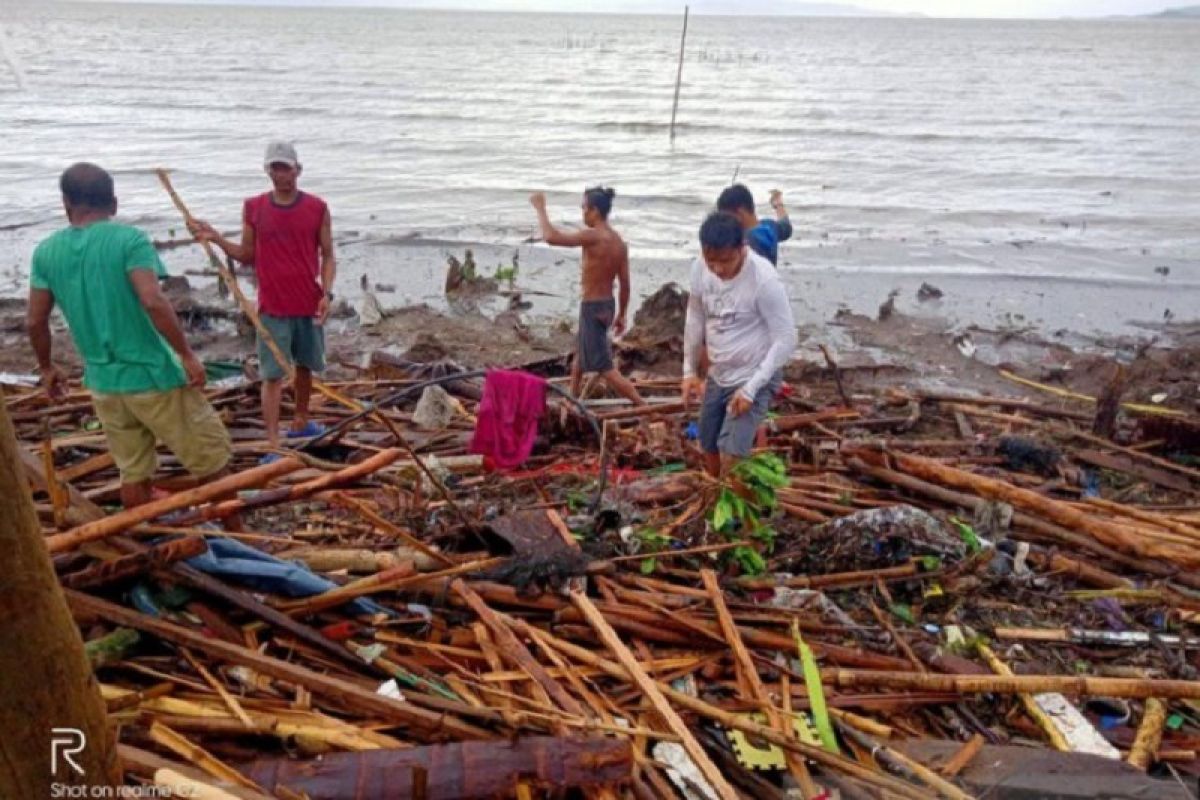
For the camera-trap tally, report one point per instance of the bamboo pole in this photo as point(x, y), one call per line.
point(1085, 686)
point(1111, 534)
point(1021, 519)
point(965, 755)
point(117, 523)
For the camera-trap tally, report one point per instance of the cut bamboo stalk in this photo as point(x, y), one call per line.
point(197, 755)
point(1159, 520)
point(219, 688)
point(379, 582)
point(965, 755)
point(1149, 734)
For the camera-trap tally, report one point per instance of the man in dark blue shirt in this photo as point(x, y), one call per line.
point(763, 236)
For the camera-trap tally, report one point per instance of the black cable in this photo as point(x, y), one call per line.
point(391, 400)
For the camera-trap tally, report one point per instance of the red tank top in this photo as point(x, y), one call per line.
point(287, 247)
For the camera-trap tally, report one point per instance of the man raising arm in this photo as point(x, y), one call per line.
point(605, 260)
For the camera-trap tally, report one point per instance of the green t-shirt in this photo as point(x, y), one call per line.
point(85, 269)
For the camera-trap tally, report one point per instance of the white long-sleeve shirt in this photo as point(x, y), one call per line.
point(746, 323)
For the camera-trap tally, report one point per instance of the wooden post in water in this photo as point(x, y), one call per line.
point(679, 72)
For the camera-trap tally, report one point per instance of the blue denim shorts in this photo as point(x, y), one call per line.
point(728, 435)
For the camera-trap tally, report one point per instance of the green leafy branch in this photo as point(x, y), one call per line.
point(742, 506)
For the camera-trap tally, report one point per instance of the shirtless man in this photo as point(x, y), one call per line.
point(605, 259)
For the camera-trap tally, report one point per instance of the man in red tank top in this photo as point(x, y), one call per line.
point(287, 235)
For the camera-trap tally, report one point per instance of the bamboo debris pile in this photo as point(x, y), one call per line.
point(983, 575)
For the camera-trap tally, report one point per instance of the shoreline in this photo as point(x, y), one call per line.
point(1082, 312)
point(930, 345)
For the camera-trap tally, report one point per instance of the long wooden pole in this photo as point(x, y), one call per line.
point(48, 693)
point(1081, 686)
point(679, 72)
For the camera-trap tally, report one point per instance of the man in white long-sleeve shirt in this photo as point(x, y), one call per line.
point(740, 311)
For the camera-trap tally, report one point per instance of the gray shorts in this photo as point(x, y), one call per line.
point(594, 352)
point(733, 436)
point(299, 338)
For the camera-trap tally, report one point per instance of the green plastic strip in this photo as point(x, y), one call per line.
point(816, 692)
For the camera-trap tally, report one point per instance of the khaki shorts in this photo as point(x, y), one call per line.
point(181, 419)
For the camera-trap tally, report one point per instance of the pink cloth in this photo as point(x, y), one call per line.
point(507, 423)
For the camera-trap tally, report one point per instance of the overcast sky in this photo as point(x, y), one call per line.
point(933, 8)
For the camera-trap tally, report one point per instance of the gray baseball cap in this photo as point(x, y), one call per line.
point(281, 153)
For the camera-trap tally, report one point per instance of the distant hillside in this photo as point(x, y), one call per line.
point(1185, 12)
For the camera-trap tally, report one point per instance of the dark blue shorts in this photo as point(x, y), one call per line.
point(594, 352)
point(728, 435)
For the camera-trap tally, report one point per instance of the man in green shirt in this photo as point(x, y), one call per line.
point(145, 380)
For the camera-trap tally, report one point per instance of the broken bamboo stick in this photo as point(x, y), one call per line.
point(115, 524)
